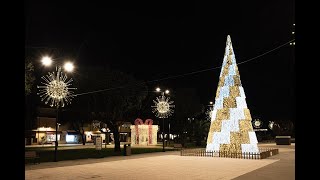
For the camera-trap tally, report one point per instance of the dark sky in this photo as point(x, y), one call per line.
point(157, 40)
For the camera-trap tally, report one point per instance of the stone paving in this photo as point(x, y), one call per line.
point(169, 165)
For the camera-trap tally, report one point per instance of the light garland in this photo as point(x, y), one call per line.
point(231, 129)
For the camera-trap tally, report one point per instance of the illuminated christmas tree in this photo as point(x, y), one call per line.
point(231, 129)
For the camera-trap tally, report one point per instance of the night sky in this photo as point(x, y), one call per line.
point(162, 40)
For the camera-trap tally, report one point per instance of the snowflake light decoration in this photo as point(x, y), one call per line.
point(163, 107)
point(271, 123)
point(257, 123)
point(56, 89)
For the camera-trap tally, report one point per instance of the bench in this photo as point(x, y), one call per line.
point(32, 155)
point(177, 146)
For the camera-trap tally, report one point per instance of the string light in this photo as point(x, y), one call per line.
point(293, 32)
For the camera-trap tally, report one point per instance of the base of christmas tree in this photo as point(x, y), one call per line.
point(262, 154)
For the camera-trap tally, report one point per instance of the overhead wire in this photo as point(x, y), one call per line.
point(185, 74)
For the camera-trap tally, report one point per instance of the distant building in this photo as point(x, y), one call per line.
point(45, 130)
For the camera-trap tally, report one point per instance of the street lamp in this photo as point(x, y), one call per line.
point(163, 109)
point(68, 66)
point(46, 61)
point(56, 90)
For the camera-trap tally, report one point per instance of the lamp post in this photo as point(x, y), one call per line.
point(169, 131)
point(163, 109)
point(55, 89)
point(163, 135)
point(56, 140)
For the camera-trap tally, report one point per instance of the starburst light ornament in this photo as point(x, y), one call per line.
point(163, 107)
point(56, 89)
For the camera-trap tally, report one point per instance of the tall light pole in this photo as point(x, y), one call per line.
point(169, 131)
point(167, 92)
point(162, 109)
point(55, 89)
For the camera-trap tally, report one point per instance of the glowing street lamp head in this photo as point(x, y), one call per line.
point(158, 89)
point(68, 67)
point(211, 102)
point(167, 91)
point(46, 61)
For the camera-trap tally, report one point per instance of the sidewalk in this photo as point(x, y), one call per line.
point(170, 165)
point(44, 165)
point(88, 145)
point(283, 169)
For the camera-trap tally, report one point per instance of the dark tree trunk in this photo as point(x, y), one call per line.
point(81, 132)
point(83, 139)
point(116, 139)
point(198, 140)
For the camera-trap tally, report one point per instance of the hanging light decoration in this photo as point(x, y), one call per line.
point(56, 89)
point(163, 107)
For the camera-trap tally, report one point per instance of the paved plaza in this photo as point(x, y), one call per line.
point(170, 165)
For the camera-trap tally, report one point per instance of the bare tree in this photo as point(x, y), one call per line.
point(187, 105)
point(28, 76)
point(77, 118)
point(115, 96)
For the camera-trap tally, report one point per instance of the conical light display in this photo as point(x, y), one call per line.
point(231, 128)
